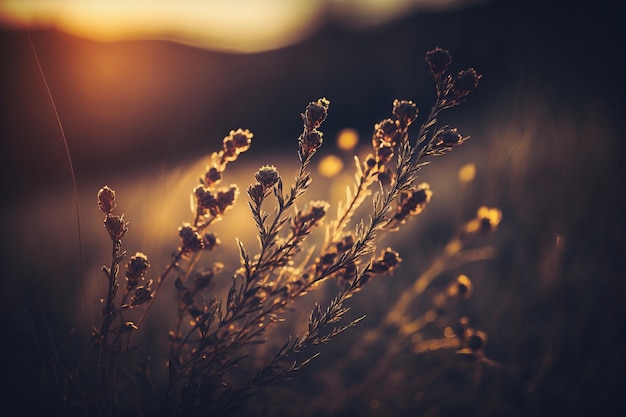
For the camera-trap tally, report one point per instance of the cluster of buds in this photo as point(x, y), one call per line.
point(191, 241)
point(326, 260)
point(214, 203)
point(312, 216)
point(385, 263)
point(388, 134)
point(136, 268)
point(452, 89)
point(142, 295)
point(236, 142)
point(444, 140)
point(267, 176)
point(115, 225)
point(206, 200)
point(311, 138)
point(411, 203)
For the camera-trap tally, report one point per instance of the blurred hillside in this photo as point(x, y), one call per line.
point(546, 126)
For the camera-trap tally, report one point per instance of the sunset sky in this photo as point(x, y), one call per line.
point(240, 25)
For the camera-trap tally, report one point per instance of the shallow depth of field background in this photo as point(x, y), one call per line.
point(546, 127)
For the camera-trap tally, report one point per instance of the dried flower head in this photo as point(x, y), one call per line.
point(465, 82)
point(142, 295)
point(388, 260)
point(412, 202)
point(236, 142)
point(210, 241)
point(256, 192)
point(241, 139)
point(267, 176)
point(116, 226)
point(106, 199)
point(315, 114)
point(212, 176)
point(310, 141)
point(448, 137)
point(314, 213)
point(386, 131)
point(405, 111)
point(191, 241)
point(135, 269)
point(438, 61)
point(384, 153)
point(213, 203)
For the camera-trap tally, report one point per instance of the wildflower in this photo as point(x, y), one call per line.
point(106, 199)
point(212, 176)
point(405, 111)
point(465, 82)
point(135, 269)
point(310, 141)
point(267, 176)
point(190, 239)
point(387, 131)
point(448, 137)
point(315, 212)
point(210, 241)
point(142, 294)
point(386, 177)
point(256, 193)
point(388, 260)
point(215, 203)
point(236, 142)
point(413, 202)
point(384, 153)
point(438, 61)
point(241, 139)
point(116, 226)
point(226, 198)
point(315, 114)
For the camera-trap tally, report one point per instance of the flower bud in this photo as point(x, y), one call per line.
point(267, 176)
point(116, 226)
point(135, 269)
point(315, 114)
point(190, 239)
point(465, 82)
point(106, 199)
point(438, 61)
point(310, 141)
point(405, 111)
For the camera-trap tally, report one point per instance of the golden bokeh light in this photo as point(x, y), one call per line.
point(467, 173)
point(347, 139)
point(329, 166)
